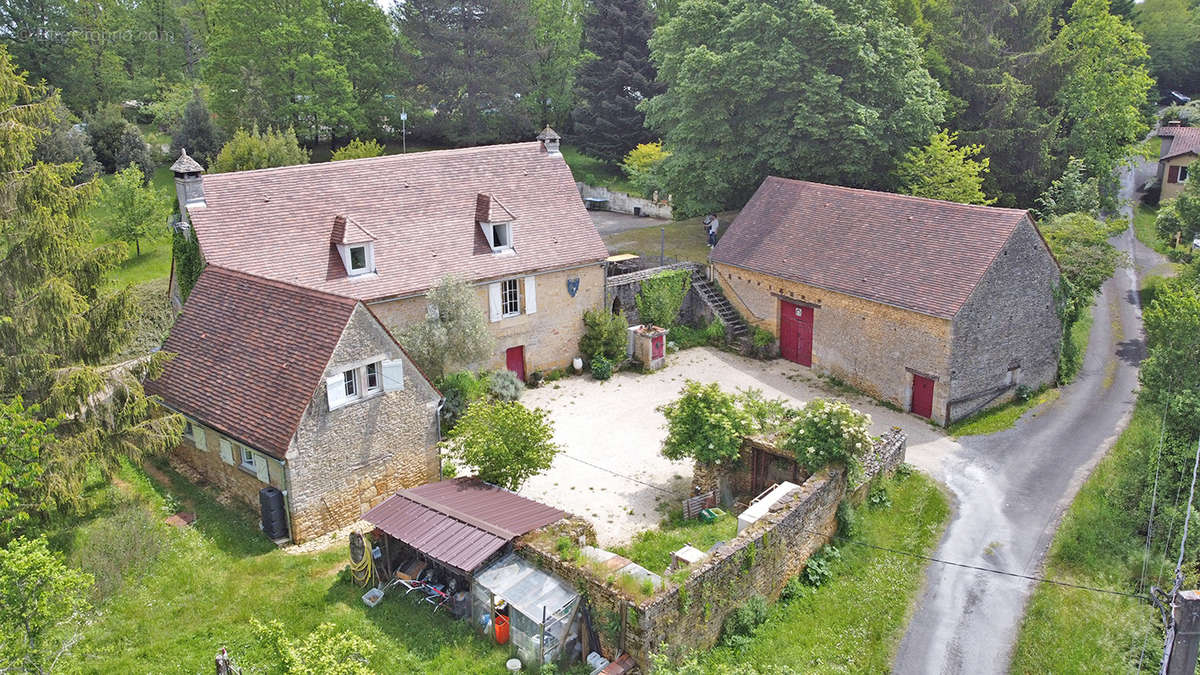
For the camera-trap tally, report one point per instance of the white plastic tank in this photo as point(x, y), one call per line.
point(762, 505)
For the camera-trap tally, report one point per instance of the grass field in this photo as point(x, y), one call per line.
point(652, 549)
point(997, 419)
point(155, 260)
point(172, 597)
point(685, 239)
point(854, 622)
point(595, 172)
point(1074, 631)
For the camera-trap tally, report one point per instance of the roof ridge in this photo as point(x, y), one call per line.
point(364, 160)
point(279, 283)
point(897, 195)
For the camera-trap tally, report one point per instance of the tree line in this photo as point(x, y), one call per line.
point(830, 90)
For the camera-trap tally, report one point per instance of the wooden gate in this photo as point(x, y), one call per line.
point(922, 396)
point(796, 332)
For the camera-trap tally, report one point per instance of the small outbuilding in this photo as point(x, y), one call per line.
point(937, 307)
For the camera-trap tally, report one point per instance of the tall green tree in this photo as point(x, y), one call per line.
point(557, 56)
point(616, 79)
point(137, 211)
point(1171, 29)
point(43, 606)
point(454, 334)
point(259, 150)
point(1104, 90)
point(1170, 374)
point(505, 442)
point(60, 318)
point(1073, 192)
point(196, 132)
point(944, 170)
point(67, 143)
point(117, 142)
point(364, 42)
point(23, 440)
point(830, 91)
point(471, 57)
point(274, 64)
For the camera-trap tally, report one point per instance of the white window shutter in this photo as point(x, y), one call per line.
point(260, 466)
point(530, 295)
point(393, 375)
point(335, 391)
point(494, 304)
point(199, 437)
point(226, 451)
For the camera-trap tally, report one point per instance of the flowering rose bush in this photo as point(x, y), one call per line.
point(827, 432)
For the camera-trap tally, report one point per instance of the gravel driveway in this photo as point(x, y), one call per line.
point(611, 471)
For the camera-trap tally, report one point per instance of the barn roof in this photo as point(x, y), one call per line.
point(422, 210)
point(250, 353)
point(924, 255)
point(459, 522)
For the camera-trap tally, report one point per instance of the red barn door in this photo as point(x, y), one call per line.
point(514, 358)
point(922, 396)
point(796, 332)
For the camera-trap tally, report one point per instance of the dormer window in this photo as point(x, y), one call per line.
point(355, 246)
point(495, 221)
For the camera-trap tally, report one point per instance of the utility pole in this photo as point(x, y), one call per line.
point(403, 131)
point(1183, 635)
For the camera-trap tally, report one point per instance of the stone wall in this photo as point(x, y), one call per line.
point(689, 615)
point(873, 347)
point(550, 335)
point(230, 479)
point(345, 461)
point(1008, 324)
point(623, 290)
point(621, 202)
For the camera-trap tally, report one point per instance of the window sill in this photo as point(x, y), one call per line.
point(249, 470)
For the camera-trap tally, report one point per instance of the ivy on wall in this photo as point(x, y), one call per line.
point(188, 263)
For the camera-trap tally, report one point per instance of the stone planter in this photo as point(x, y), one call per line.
point(650, 347)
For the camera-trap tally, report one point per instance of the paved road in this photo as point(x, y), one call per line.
point(1012, 487)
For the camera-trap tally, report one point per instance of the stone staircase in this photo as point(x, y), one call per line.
point(734, 325)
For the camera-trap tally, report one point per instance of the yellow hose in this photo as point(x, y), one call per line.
point(363, 571)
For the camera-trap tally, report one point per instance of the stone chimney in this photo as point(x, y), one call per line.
point(1174, 123)
point(189, 186)
point(549, 139)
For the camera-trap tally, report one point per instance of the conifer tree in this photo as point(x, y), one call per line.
point(608, 123)
point(196, 132)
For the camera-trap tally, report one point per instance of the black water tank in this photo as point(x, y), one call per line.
point(274, 520)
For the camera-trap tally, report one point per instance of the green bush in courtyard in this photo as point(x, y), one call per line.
point(604, 333)
point(828, 432)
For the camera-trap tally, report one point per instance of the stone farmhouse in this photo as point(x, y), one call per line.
point(385, 230)
point(297, 389)
point(937, 307)
point(1180, 147)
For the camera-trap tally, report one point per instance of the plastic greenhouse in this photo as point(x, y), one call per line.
point(535, 609)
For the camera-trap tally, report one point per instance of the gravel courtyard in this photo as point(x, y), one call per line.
point(611, 471)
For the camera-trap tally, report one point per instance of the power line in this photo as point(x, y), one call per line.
point(920, 556)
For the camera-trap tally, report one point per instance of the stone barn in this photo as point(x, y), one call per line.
point(937, 307)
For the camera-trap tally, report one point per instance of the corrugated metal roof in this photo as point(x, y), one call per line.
point(459, 522)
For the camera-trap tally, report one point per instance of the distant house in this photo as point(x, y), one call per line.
point(385, 230)
point(937, 307)
point(1180, 147)
point(297, 389)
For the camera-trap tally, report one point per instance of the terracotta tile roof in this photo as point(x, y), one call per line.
point(459, 522)
point(1179, 141)
point(924, 255)
point(421, 207)
point(250, 352)
point(488, 209)
point(348, 231)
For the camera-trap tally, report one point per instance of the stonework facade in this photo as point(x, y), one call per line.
point(1171, 189)
point(873, 347)
point(343, 462)
point(550, 334)
point(1007, 333)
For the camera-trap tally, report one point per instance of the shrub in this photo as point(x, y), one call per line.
point(792, 590)
point(449, 470)
point(686, 337)
point(765, 415)
point(828, 432)
point(743, 621)
point(762, 337)
point(535, 379)
point(460, 390)
point(714, 333)
point(639, 165)
point(357, 149)
point(848, 520)
point(661, 297)
point(504, 441)
point(504, 385)
point(879, 498)
point(257, 150)
point(454, 333)
point(604, 333)
point(820, 566)
point(704, 423)
point(602, 368)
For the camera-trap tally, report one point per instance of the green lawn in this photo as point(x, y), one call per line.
point(1002, 417)
point(685, 239)
point(652, 549)
point(1143, 228)
point(1073, 631)
point(596, 172)
point(854, 622)
point(155, 260)
point(173, 597)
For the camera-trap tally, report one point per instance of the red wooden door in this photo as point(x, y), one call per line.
point(514, 358)
point(922, 396)
point(656, 347)
point(796, 332)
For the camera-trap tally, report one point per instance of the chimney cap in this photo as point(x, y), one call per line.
point(186, 164)
point(548, 134)
point(1174, 123)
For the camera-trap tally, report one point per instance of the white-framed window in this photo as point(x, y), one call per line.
point(358, 259)
point(501, 236)
point(364, 380)
point(510, 298)
point(248, 459)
